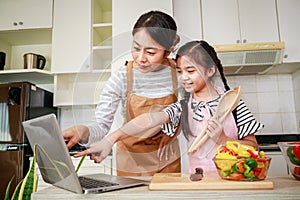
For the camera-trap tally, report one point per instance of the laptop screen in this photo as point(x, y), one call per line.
point(52, 154)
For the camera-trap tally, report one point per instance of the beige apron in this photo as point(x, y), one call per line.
point(138, 156)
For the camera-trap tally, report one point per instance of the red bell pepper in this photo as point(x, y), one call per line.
point(296, 150)
point(254, 154)
point(262, 173)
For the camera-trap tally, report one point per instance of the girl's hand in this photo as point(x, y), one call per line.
point(214, 129)
point(98, 151)
point(165, 149)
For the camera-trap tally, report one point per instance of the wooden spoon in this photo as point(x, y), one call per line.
point(228, 102)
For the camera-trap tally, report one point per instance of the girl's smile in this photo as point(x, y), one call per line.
point(195, 79)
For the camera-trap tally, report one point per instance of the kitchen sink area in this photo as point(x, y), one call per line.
point(268, 144)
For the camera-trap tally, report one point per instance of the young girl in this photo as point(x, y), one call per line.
point(149, 82)
point(197, 63)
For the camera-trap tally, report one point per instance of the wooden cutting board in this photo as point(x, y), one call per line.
point(177, 181)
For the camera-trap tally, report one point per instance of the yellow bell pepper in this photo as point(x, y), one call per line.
point(225, 164)
point(240, 149)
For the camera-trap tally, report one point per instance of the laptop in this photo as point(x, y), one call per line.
point(55, 163)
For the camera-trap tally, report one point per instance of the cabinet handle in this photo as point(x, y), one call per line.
point(285, 56)
point(238, 41)
point(20, 23)
point(244, 41)
point(15, 24)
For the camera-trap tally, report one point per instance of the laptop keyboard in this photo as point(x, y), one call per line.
point(93, 183)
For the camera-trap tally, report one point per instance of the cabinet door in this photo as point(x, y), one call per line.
point(29, 14)
point(71, 41)
point(125, 14)
point(239, 21)
point(188, 23)
point(220, 21)
point(258, 21)
point(289, 16)
point(278, 164)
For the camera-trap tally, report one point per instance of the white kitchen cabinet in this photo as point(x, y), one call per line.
point(25, 27)
point(29, 14)
point(78, 88)
point(71, 45)
point(278, 164)
point(239, 21)
point(125, 14)
point(102, 35)
point(288, 17)
point(81, 61)
point(82, 32)
point(187, 15)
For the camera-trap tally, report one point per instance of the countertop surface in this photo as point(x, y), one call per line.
point(285, 187)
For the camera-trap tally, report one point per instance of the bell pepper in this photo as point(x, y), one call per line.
point(236, 176)
point(251, 162)
point(296, 150)
point(292, 156)
point(239, 167)
point(225, 165)
point(248, 173)
point(253, 153)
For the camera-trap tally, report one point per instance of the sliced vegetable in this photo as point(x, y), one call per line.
point(236, 176)
point(291, 155)
point(241, 162)
point(251, 162)
point(296, 150)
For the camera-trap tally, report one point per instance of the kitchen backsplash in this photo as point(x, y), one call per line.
point(273, 100)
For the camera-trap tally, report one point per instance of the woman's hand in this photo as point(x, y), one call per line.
point(98, 151)
point(214, 129)
point(76, 134)
point(165, 149)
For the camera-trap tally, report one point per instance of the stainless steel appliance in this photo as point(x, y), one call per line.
point(19, 101)
point(34, 61)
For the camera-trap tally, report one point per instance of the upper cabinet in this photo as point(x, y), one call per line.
point(82, 50)
point(82, 32)
point(29, 14)
point(71, 45)
point(189, 24)
point(102, 35)
point(25, 27)
point(239, 21)
point(125, 14)
point(288, 17)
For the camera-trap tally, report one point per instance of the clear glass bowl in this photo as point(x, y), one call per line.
point(235, 169)
point(287, 149)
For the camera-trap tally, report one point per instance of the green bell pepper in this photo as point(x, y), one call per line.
point(251, 162)
point(292, 156)
point(248, 173)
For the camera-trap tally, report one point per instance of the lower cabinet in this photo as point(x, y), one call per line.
point(278, 164)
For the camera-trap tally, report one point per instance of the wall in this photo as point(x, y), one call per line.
point(296, 83)
point(271, 100)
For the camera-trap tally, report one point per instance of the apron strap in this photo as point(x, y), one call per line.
point(129, 66)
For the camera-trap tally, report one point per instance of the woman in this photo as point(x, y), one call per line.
point(148, 83)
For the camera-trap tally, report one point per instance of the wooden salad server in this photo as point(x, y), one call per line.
point(228, 102)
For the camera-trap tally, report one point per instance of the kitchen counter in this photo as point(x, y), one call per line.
point(285, 187)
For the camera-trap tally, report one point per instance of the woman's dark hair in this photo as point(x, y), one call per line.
point(205, 55)
point(161, 27)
